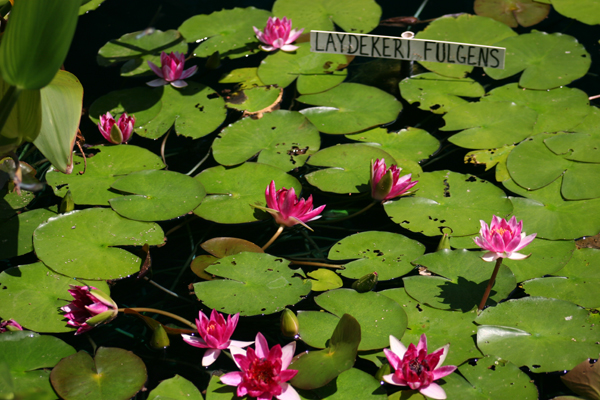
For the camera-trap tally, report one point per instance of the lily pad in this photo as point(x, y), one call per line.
point(513, 12)
point(547, 257)
point(542, 334)
point(246, 77)
point(94, 186)
point(492, 158)
point(143, 103)
point(256, 99)
point(220, 247)
point(284, 139)
point(254, 284)
point(447, 199)
point(548, 60)
point(583, 143)
point(438, 93)
point(586, 11)
point(351, 384)
point(388, 254)
point(349, 108)
point(156, 195)
point(232, 191)
point(176, 388)
point(34, 294)
point(113, 373)
point(584, 380)
point(16, 234)
point(83, 243)
point(324, 279)
point(11, 202)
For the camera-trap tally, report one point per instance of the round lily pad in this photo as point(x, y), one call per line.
point(548, 61)
point(34, 294)
point(352, 384)
point(388, 254)
point(142, 102)
point(255, 99)
point(547, 257)
point(324, 279)
point(586, 11)
point(156, 195)
point(447, 199)
point(542, 334)
point(576, 146)
point(253, 284)
point(513, 12)
point(176, 388)
point(246, 77)
point(83, 243)
point(349, 108)
point(113, 374)
point(23, 225)
point(284, 139)
point(233, 191)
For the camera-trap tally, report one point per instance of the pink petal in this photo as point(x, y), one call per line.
point(517, 256)
point(394, 380)
point(422, 345)
point(189, 72)
point(289, 47)
point(491, 256)
point(288, 392)
point(443, 355)
point(232, 378)
point(443, 371)
point(238, 343)
point(525, 241)
point(434, 391)
point(262, 347)
point(155, 69)
point(239, 352)
point(393, 359)
point(210, 356)
point(194, 341)
point(287, 354)
point(268, 48)
point(157, 82)
point(294, 34)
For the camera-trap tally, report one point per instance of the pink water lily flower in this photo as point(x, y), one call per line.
point(503, 239)
point(90, 307)
point(214, 335)
point(278, 34)
point(414, 368)
point(171, 70)
point(10, 325)
point(119, 132)
point(386, 183)
point(264, 372)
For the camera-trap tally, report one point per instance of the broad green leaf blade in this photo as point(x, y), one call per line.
point(16, 234)
point(351, 384)
point(491, 158)
point(11, 202)
point(324, 279)
point(547, 257)
point(113, 374)
point(24, 121)
point(246, 77)
point(254, 100)
point(586, 11)
point(143, 103)
point(513, 12)
point(226, 246)
point(83, 243)
point(176, 388)
point(89, 5)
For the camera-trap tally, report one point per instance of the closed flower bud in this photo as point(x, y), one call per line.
point(160, 339)
point(67, 204)
point(289, 323)
point(90, 307)
point(366, 283)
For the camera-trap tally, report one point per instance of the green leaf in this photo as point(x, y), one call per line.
point(253, 100)
point(176, 388)
point(142, 102)
point(491, 158)
point(284, 139)
point(246, 77)
point(36, 41)
point(586, 11)
point(542, 334)
point(513, 12)
point(548, 61)
point(11, 202)
point(89, 5)
point(24, 121)
point(352, 384)
point(34, 295)
point(16, 233)
point(156, 195)
point(343, 110)
point(113, 374)
point(83, 243)
point(324, 279)
point(254, 284)
point(547, 257)
point(388, 254)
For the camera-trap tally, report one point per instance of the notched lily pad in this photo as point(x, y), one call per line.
point(513, 12)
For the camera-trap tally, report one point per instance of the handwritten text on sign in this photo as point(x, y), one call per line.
point(407, 49)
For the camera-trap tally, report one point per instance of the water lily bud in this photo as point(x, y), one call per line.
point(160, 339)
point(444, 243)
point(67, 204)
point(383, 370)
point(366, 283)
point(10, 326)
point(90, 307)
point(289, 323)
point(214, 61)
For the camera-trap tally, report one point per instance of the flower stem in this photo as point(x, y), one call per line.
point(275, 236)
point(316, 264)
point(489, 286)
point(166, 313)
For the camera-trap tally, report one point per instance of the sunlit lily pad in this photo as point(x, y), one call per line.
point(388, 254)
point(583, 143)
point(16, 234)
point(324, 279)
point(83, 243)
point(142, 102)
point(547, 257)
point(253, 100)
point(492, 158)
point(284, 139)
point(513, 12)
point(344, 108)
point(351, 384)
point(548, 61)
point(254, 284)
point(232, 191)
point(447, 199)
point(542, 334)
point(220, 247)
point(246, 77)
point(176, 388)
point(586, 11)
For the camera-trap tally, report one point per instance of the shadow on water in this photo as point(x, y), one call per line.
point(464, 295)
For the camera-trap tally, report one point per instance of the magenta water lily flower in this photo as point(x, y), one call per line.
point(119, 132)
point(502, 239)
point(264, 372)
point(171, 70)
point(10, 325)
point(215, 334)
point(90, 307)
point(278, 34)
point(414, 368)
point(386, 183)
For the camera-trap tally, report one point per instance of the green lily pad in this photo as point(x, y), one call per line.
point(82, 243)
point(463, 29)
point(220, 247)
point(547, 257)
point(113, 374)
point(284, 139)
point(586, 11)
point(349, 170)
point(232, 191)
point(575, 146)
point(176, 388)
point(254, 284)
point(351, 384)
point(89, 5)
point(359, 16)
point(253, 100)
point(548, 61)
point(388, 254)
point(93, 186)
point(578, 282)
point(34, 294)
point(11, 202)
point(246, 77)
point(441, 327)
point(542, 334)
point(157, 195)
point(227, 31)
point(513, 12)
point(137, 48)
point(345, 109)
point(324, 279)
point(412, 144)
point(437, 93)
point(143, 103)
point(492, 158)
point(16, 233)
point(458, 288)
point(27, 354)
point(316, 72)
point(447, 199)
point(379, 316)
point(546, 212)
point(489, 124)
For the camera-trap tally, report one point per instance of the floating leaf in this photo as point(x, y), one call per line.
point(246, 77)
point(547, 257)
point(351, 384)
point(220, 247)
point(513, 12)
point(11, 202)
point(491, 158)
point(586, 11)
point(176, 388)
point(255, 99)
point(142, 102)
point(16, 234)
point(89, 5)
point(584, 380)
point(324, 279)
